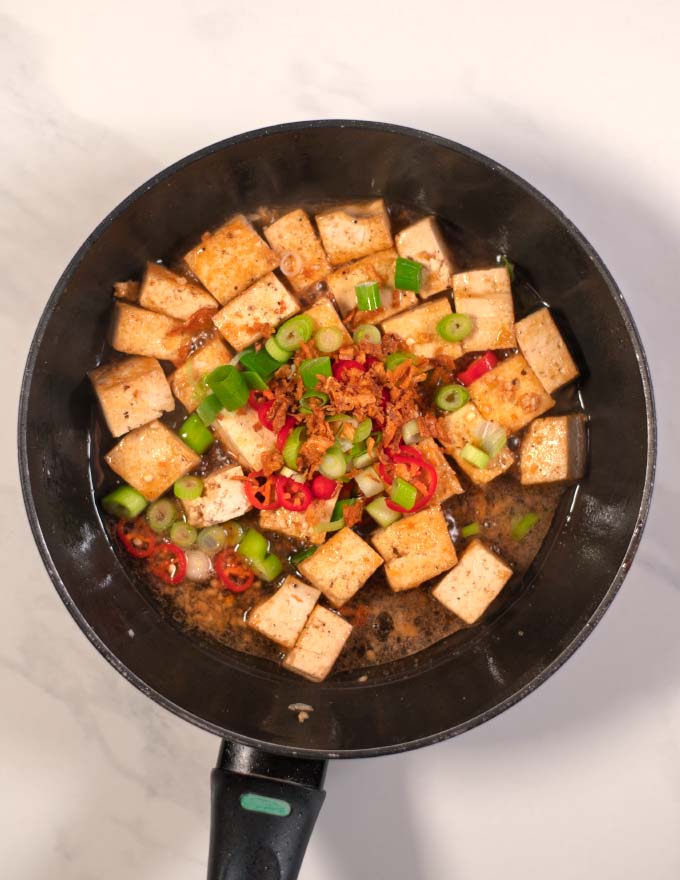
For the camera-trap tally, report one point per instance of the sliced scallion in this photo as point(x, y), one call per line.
point(363, 431)
point(209, 408)
point(381, 513)
point(229, 385)
point(476, 457)
point(124, 502)
point(275, 351)
point(408, 274)
point(268, 568)
point(455, 327)
point(490, 437)
point(524, 525)
point(195, 434)
point(311, 369)
point(254, 381)
point(369, 482)
point(233, 532)
point(188, 488)
point(260, 362)
point(403, 493)
point(328, 339)
point(470, 530)
point(367, 333)
point(301, 555)
point(211, 540)
point(333, 464)
point(368, 296)
point(293, 332)
point(161, 515)
point(398, 357)
point(451, 397)
point(330, 526)
point(292, 446)
point(314, 399)
point(183, 534)
point(410, 433)
point(365, 459)
point(253, 545)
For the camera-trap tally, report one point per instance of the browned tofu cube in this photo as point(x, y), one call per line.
point(323, 314)
point(131, 393)
point(447, 481)
point(510, 394)
point(319, 645)
point(301, 257)
point(415, 549)
point(300, 525)
point(151, 458)
point(341, 566)
point(378, 267)
point(424, 243)
point(553, 450)
point(459, 428)
point(164, 291)
point(128, 291)
point(253, 314)
point(354, 231)
point(542, 345)
point(486, 295)
point(185, 380)
point(469, 588)
point(223, 498)
point(139, 331)
point(283, 616)
point(418, 329)
point(230, 259)
point(242, 434)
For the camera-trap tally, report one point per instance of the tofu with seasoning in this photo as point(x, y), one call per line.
point(542, 345)
point(459, 428)
point(301, 257)
point(151, 458)
point(469, 588)
point(184, 381)
point(173, 295)
point(448, 483)
point(323, 314)
point(231, 259)
point(418, 329)
point(131, 393)
point(553, 450)
point(510, 394)
point(149, 334)
point(243, 435)
point(486, 296)
point(378, 267)
point(424, 243)
point(321, 641)
point(300, 524)
point(282, 617)
point(341, 566)
point(415, 549)
point(354, 231)
point(223, 498)
point(254, 312)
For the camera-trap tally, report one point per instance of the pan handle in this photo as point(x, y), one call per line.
point(264, 808)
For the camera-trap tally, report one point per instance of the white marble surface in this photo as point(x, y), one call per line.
point(582, 779)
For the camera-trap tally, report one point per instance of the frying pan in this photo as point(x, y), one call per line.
point(267, 786)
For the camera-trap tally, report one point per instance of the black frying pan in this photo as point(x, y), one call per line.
point(455, 685)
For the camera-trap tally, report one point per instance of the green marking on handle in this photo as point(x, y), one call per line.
point(257, 803)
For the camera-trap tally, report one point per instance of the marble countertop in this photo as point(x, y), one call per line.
point(581, 779)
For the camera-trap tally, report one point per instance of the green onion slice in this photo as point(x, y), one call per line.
point(339, 509)
point(365, 459)
point(524, 525)
point(381, 513)
point(293, 332)
point(470, 529)
point(490, 437)
point(125, 502)
point(369, 482)
point(195, 434)
point(260, 362)
point(254, 381)
point(508, 265)
point(455, 327)
point(368, 296)
point(233, 532)
point(329, 339)
point(320, 396)
point(410, 433)
point(268, 568)
point(209, 408)
point(403, 493)
point(292, 446)
point(367, 333)
point(363, 431)
point(312, 368)
point(161, 515)
point(183, 534)
point(188, 488)
point(275, 351)
point(301, 555)
point(408, 274)
point(253, 545)
point(398, 357)
point(476, 457)
point(451, 397)
point(333, 464)
point(230, 387)
point(211, 540)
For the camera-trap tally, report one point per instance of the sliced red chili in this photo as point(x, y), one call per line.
point(341, 368)
point(136, 537)
point(282, 436)
point(478, 368)
point(262, 405)
point(233, 571)
point(370, 360)
point(417, 471)
point(292, 495)
point(168, 562)
point(261, 491)
point(324, 487)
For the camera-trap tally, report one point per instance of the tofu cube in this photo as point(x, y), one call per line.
point(283, 616)
point(424, 243)
point(139, 331)
point(252, 314)
point(300, 525)
point(510, 394)
point(354, 231)
point(447, 481)
point(542, 345)
point(553, 450)
point(151, 458)
point(127, 291)
point(469, 588)
point(458, 429)
point(323, 314)
point(184, 381)
point(418, 329)
point(230, 259)
point(378, 267)
point(223, 498)
point(170, 294)
point(242, 434)
point(293, 234)
point(319, 646)
point(415, 549)
point(341, 566)
point(131, 393)
point(486, 295)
